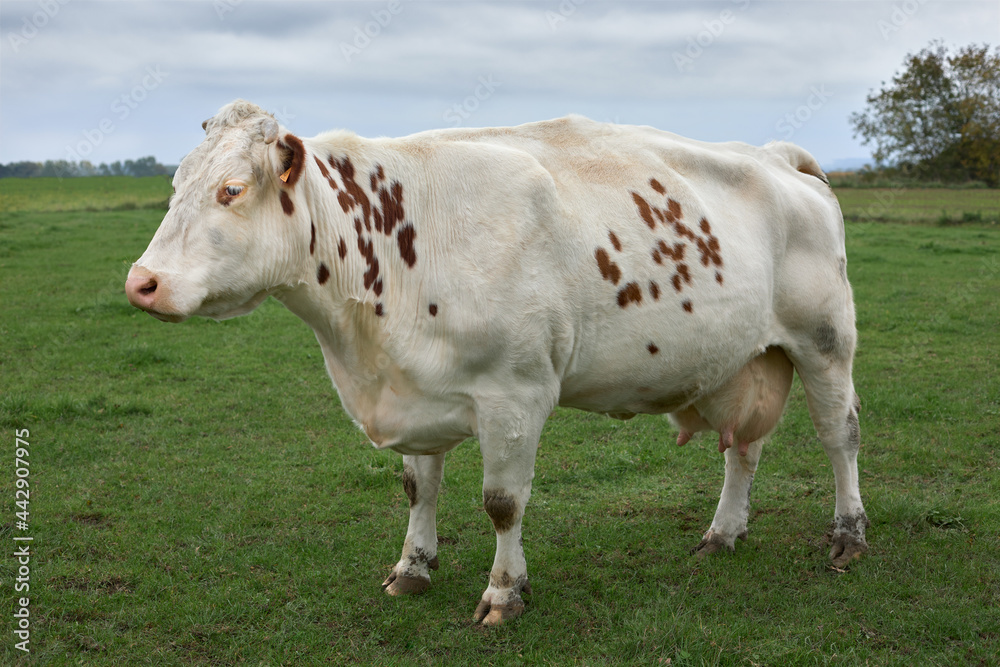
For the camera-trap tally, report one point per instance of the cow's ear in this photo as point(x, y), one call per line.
point(291, 160)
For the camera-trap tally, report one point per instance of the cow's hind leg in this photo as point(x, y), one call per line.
point(421, 481)
point(730, 520)
point(834, 407)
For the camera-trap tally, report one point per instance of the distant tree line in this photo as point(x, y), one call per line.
point(146, 166)
point(938, 119)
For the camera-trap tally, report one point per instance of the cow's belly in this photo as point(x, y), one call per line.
point(656, 359)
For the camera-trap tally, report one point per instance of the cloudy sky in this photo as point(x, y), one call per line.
point(107, 81)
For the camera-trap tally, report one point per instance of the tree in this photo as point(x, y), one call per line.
point(940, 117)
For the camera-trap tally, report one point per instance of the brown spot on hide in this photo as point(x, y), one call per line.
point(433, 309)
point(826, 339)
point(372, 273)
point(322, 167)
point(294, 159)
point(628, 294)
point(853, 430)
point(609, 270)
point(614, 241)
point(501, 507)
point(676, 281)
point(410, 484)
point(286, 203)
point(682, 271)
point(645, 212)
point(352, 195)
point(687, 306)
point(382, 212)
point(684, 231)
point(673, 210)
point(654, 290)
point(391, 203)
point(652, 348)
point(675, 253)
point(344, 200)
point(705, 227)
point(405, 240)
point(378, 309)
point(718, 277)
point(322, 274)
point(655, 184)
point(342, 248)
point(312, 238)
point(657, 257)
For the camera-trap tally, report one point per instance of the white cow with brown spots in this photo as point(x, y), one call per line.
point(465, 282)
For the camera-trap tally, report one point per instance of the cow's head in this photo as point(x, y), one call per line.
point(232, 234)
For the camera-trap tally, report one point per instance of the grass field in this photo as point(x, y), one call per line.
point(921, 206)
point(198, 497)
point(94, 194)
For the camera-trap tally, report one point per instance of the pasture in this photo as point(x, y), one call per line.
point(198, 497)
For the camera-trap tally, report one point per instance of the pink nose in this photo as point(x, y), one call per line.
point(140, 287)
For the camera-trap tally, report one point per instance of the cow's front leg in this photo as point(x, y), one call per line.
point(730, 520)
point(421, 481)
point(508, 448)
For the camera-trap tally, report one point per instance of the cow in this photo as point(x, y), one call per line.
point(464, 282)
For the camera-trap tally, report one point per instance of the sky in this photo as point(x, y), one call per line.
point(107, 81)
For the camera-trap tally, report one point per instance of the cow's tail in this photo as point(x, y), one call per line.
point(799, 158)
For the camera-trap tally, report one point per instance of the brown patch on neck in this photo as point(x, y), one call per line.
point(286, 203)
point(405, 240)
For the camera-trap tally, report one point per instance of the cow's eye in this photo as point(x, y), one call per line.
point(234, 190)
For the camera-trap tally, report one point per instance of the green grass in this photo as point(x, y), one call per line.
point(200, 498)
point(925, 205)
point(95, 193)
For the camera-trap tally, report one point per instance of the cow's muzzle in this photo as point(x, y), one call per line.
point(146, 291)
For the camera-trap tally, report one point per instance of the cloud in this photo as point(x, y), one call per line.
point(397, 66)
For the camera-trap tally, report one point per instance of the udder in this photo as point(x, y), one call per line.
point(746, 408)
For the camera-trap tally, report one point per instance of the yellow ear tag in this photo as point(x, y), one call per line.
point(284, 176)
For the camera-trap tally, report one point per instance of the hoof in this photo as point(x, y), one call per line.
point(714, 543)
point(404, 585)
point(495, 614)
point(847, 539)
point(492, 612)
point(846, 548)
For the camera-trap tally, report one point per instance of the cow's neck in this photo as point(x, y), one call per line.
point(360, 246)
